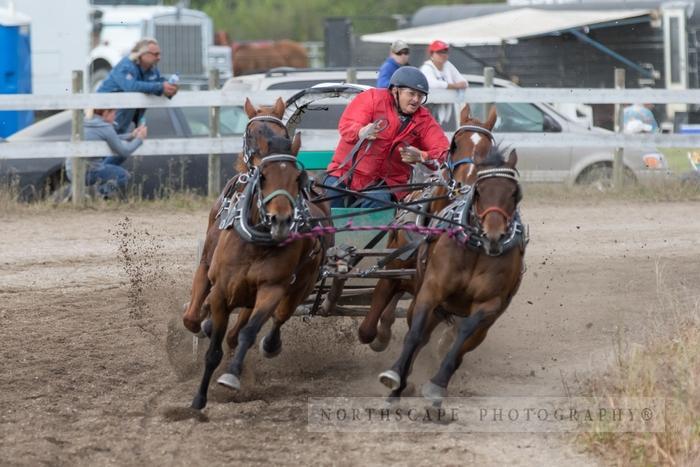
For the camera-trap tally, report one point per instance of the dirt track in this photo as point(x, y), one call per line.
point(86, 300)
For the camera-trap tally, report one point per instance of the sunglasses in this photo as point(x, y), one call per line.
point(403, 52)
point(442, 52)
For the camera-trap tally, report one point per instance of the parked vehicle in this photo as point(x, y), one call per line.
point(574, 164)
point(151, 175)
point(185, 35)
point(317, 120)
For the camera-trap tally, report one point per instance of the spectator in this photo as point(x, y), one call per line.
point(137, 73)
point(398, 132)
point(398, 57)
point(638, 118)
point(107, 175)
point(442, 74)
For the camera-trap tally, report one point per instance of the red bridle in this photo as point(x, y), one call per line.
point(482, 215)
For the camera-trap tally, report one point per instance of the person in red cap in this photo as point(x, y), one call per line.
point(441, 74)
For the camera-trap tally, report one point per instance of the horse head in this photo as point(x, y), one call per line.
point(497, 193)
point(471, 144)
point(264, 128)
point(281, 184)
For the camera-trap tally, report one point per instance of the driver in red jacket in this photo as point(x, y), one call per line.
point(392, 130)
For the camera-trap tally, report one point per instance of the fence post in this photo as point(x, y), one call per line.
point(78, 176)
point(352, 75)
point(489, 73)
point(214, 166)
point(618, 166)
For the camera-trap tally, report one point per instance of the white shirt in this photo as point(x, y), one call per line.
point(439, 79)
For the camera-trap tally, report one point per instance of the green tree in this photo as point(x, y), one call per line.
point(303, 20)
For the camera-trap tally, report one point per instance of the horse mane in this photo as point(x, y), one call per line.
point(495, 158)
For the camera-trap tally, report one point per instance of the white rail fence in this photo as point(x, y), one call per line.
point(313, 141)
point(221, 145)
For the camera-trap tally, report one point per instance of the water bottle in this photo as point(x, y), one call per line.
point(174, 79)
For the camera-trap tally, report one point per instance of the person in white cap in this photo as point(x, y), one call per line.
point(398, 57)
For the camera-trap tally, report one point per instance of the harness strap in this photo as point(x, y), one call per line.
point(502, 212)
point(277, 193)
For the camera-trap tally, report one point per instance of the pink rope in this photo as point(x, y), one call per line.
point(319, 230)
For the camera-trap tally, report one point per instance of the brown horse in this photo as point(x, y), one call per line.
point(251, 271)
point(264, 132)
point(472, 277)
point(471, 144)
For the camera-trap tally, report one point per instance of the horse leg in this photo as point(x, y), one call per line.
point(241, 320)
point(265, 304)
point(381, 342)
point(201, 286)
point(423, 322)
point(271, 344)
point(471, 332)
point(382, 296)
point(214, 354)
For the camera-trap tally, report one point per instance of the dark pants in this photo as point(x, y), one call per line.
point(349, 201)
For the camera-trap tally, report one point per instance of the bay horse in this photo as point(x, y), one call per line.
point(252, 270)
point(471, 143)
point(472, 276)
point(264, 133)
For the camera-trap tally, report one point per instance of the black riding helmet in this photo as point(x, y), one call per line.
point(409, 77)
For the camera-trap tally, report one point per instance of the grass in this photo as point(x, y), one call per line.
point(667, 366)
point(677, 159)
point(552, 194)
point(651, 191)
point(9, 203)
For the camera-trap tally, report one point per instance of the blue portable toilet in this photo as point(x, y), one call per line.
point(15, 67)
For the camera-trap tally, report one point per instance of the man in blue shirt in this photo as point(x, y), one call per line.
point(398, 57)
point(137, 72)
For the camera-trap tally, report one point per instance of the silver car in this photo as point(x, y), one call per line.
point(572, 164)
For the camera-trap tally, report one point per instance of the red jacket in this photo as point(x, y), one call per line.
point(383, 161)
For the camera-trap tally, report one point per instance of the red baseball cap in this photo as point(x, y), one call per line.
point(437, 46)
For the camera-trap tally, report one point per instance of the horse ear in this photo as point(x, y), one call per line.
point(512, 159)
point(278, 110)
point(491, 119)
point(296, 144)
point(466, 115)
point(249, 109)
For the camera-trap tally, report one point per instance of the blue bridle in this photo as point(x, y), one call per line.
point(451, 165)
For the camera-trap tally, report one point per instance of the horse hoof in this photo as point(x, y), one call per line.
point(205, 330)
point(199, 402)
point(230, 381)
point(390, 379)
point(267, 354)
point(433, 392)
point(379, 346)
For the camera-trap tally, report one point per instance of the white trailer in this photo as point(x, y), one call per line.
point(59, 41)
